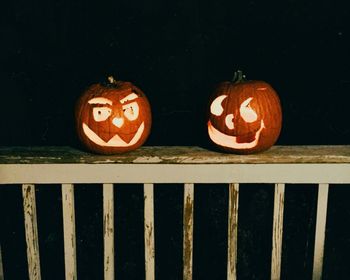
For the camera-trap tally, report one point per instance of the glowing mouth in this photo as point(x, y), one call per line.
point(115, 141)
point(231, 141)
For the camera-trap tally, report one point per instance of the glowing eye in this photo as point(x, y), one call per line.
point(216, 107)
point(101, 113)
point(247, 113)
point(131, 111)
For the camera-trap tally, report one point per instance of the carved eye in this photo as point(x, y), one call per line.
point(131, 111)
point(247, 113)
point(216, 107)
point(229, 121)
point(101, 113)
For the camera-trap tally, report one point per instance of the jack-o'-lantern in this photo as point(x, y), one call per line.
point(244, 116)
point(113, 118)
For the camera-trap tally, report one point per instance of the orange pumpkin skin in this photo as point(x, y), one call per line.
point(113, 118)
point(249, 118)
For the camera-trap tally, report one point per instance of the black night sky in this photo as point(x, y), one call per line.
point(176, 52)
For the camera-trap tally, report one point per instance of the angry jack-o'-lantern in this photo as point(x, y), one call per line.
point(244, 116)
point(113, 118)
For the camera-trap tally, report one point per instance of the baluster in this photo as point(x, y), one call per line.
point(149, 231)
point(31, 231)
point(321, 218)
point(277, 231)
point(188, 231)
point(108, 231)
point(69, 231)
point(232, 231)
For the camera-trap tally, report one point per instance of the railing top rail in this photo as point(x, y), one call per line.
point(175, 155)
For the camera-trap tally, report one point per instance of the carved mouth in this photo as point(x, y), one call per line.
point(234, 142)
point(115, 141)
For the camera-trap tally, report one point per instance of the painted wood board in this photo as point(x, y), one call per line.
point(277, 232)
point(69, 236)
point(149, 231)
point(232, 231)
point(31, 231)
point(108, 231)
point(336, 173)
point(188, 231)
point(176, 155)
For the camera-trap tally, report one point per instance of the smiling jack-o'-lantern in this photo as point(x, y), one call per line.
point(244, 116)
point(113, 118)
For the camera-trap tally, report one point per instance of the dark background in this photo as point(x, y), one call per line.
point(176, 52)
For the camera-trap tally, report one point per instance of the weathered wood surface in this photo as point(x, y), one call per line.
point(232, 231)
point(294, 173)
point(175, 155)
point(70, 259)
point(149, 231)
point(320, 231)
point(188, 231)
point(277, 232)
point(31, 230)
point(108, 231)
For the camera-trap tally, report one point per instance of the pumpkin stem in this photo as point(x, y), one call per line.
point(111, 80)
point(238, 77)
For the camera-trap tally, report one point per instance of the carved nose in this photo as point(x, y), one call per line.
point(118, 122)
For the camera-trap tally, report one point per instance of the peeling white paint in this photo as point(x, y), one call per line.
point(108, 230)
point(104, 161)
point(31, 231)
point(149, 231)
point(147, 160)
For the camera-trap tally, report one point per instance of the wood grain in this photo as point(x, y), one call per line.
point(320, 231)
point(188, 231)
point(277, 232)
point(70, 256)
point(176, 155)
point(232, 231)
point(31, 231)
point(149, 231)
point(108, 231)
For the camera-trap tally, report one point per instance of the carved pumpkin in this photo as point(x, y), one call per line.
point(113, 118)
point(244, 116)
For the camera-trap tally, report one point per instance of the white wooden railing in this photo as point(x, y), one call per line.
point(322, 165)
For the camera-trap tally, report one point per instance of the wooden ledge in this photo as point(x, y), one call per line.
point(175, 155)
